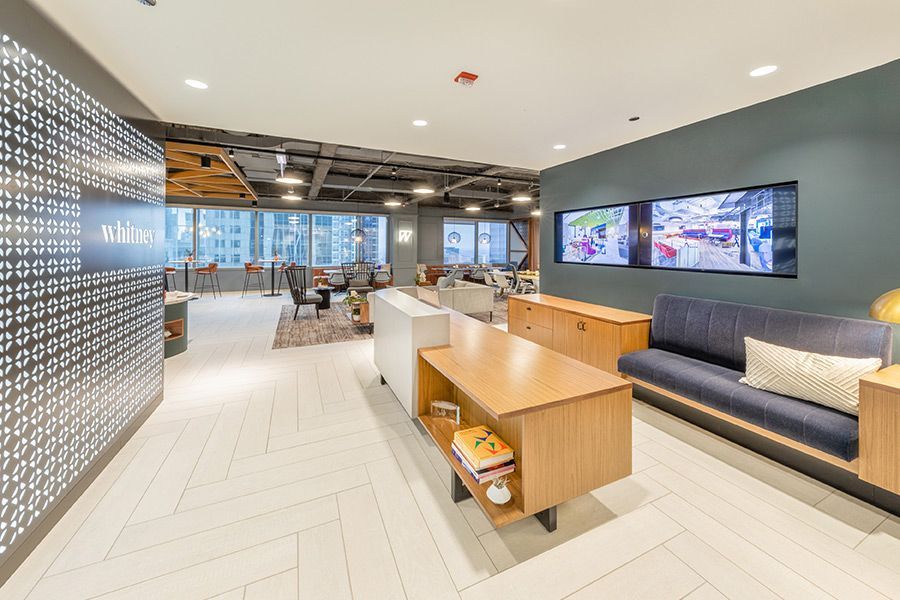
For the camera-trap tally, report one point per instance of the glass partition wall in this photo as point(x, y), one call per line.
point(232, 237)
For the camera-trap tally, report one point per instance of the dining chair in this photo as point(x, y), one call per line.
point(296, 276)
point(359, 276)
point(519, 285)
point(477, 275)
point(211, 273)
point(502, 282)
point(249, 271)
point(382, 278)
point(337, 281)
point(281, 271)
point(171, 271)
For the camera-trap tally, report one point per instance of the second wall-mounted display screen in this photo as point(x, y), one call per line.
point(751, 231)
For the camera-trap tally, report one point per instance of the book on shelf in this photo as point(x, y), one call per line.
point(483, 475)
point(482, 447)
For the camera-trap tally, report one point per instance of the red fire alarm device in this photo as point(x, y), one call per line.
point(465, 78)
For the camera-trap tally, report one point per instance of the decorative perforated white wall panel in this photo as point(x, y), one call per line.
point(80, 330)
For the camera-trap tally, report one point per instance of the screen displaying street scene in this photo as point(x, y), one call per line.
point(751, 231)
point(597, 236)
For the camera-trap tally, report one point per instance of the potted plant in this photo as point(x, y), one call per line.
point(354, 300)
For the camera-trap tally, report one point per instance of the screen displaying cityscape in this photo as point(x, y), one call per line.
point(233, 237)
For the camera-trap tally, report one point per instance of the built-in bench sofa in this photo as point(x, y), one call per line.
point(696, 357)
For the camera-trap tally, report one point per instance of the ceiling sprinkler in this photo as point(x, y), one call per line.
point(148, 2)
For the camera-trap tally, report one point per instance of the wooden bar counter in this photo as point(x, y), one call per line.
point(568, 423)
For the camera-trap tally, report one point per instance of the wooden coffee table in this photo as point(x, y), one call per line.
point(568, 423)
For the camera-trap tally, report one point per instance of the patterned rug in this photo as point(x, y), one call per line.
point(333, 325)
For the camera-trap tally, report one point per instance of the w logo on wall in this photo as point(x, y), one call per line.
point(80, 328)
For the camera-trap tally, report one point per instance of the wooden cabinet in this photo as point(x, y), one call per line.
point(596, 335)
point(879, 428)
point(542, 336)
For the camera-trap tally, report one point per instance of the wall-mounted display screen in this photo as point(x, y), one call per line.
point(596, 236)
point(751, 231)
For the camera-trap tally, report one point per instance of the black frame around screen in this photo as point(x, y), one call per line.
point(640, 251)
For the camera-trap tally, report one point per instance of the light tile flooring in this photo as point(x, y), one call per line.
point(291, 473)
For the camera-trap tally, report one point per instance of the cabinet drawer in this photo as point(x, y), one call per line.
point(543, 336)
point(531, 313)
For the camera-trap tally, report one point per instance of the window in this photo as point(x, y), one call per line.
point(179, 233)
point(492, 242)
point(333, 242)
point(467, 241)
point(226, 236)
point(459, 241)
point(285, 234)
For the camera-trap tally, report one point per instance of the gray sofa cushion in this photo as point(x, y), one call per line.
point(716, 386)
point(714, 331)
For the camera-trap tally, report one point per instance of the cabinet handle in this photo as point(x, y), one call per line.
point(528, 327)
point(527, 308)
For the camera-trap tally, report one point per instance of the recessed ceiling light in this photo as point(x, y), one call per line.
point(196, 84)
point(559, 147)
point(423, 190)
point(473, 208)
point(420, 123)
point(393, 203)
point(291, 196)
point(762, 71)
point(290, 176)
point(536, 212)
point(521, 198)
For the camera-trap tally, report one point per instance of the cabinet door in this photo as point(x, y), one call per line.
point(567, 335)
point(600, 346)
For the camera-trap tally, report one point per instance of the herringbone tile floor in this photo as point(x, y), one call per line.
point(293, 474)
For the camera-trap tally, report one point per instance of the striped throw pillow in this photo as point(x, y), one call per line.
point(831, 381)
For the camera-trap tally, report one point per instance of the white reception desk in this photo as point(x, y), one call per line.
point(403, 324)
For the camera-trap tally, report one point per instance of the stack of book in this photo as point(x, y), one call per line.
point(482, 453)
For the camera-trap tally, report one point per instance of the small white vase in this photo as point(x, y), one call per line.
point(498, 495)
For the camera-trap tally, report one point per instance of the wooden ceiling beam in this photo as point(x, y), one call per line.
point(208, 174)
point(184, 163)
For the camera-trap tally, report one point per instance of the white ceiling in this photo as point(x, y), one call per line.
point(357, 72)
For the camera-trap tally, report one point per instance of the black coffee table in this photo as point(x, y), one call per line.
point(325, 292)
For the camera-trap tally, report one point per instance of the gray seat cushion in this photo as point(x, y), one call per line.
point(716, 386)
point(313, 297)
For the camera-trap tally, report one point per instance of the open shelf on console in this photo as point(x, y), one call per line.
point(441, 431)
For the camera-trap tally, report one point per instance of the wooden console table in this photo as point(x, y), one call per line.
point(568, 423)
point(596, 335)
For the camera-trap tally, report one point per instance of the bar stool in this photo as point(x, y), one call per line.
point(171, 271)
point(281, 271)
point(211, 271)
point(249, 270)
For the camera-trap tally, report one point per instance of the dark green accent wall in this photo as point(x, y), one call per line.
point(840, 140)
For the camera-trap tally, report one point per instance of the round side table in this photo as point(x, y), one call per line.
point(325, 292)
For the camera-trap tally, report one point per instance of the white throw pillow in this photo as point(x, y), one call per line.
point(831, 381)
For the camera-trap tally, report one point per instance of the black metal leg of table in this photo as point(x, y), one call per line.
point(547, 518)
point(272, 294)
point(458, 490)
point(186, 284)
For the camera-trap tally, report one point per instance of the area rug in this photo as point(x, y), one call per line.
point(333, 326)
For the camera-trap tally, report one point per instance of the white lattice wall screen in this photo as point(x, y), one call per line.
point(81, 351)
